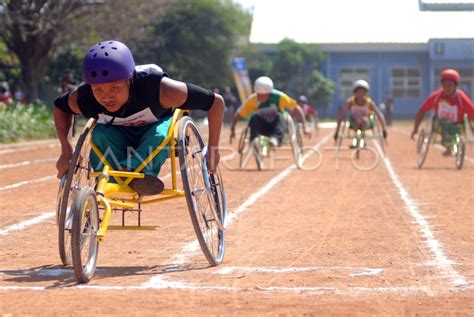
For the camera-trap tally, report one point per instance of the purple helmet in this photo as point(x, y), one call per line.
point(108, 61)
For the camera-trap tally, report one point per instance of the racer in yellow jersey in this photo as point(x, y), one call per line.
point(361, 109)
point(266, 107)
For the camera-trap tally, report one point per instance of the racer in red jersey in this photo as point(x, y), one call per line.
point(450, 104)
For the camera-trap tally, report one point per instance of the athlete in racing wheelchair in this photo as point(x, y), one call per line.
point(269, 122)
point(137, 120)
point(363, 115)
point(453, 110)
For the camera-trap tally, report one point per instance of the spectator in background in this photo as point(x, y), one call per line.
point(67, 82)
point(387, 107)
point(231, 104)
point(19, 95)
point(4, 95)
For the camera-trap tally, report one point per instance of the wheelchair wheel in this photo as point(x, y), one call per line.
point(469, 132)
point(77, 177)
point(364, 158)
point(244, 147)
point(84, 243)
point(460, 150)
point(423, 145)
point(261, 149)
point(299, 136)
point(205, 194)
point(293, 138)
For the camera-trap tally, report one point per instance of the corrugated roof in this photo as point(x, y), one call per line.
point(360, 21)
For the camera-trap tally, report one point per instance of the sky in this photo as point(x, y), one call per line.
point(348, 21)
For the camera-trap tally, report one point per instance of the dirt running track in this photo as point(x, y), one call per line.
point(392, 241)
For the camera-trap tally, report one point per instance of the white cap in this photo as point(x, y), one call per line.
point(263, 85)
point(361, 84)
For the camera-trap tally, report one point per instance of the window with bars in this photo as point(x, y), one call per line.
point(347, 76)
point(406, 82)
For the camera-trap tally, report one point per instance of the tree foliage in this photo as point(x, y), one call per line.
point(31, 29)
point(294, 68)
point(194, 41)
point(317, 88)
point(292, 58)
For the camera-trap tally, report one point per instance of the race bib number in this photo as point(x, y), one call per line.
point(268, 113)
point(360, 111)
point(448, 112)
point(140, 118)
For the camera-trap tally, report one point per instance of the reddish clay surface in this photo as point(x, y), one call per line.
point(331, 242)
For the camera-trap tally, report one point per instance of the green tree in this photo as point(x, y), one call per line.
point(292, 59)
point(317, 88)
point(294, 68)
point(47, 35)
point(194, 41)
point(9, 65)
point(31, 29)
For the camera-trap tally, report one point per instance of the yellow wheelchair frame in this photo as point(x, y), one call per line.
point(81, 196)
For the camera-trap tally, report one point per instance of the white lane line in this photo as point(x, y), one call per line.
point(24, 224)
point(191, 248)
point(352, 291)
point(355, 271)
point(29, 148)
point(26, 163)
point(176, 286)
point(440, 259)
point(34, 181)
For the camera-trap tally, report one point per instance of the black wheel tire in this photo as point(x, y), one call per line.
point(84, 207)
point(65, 199)
point(204, 227)
point(424, 145)
point(460, 155)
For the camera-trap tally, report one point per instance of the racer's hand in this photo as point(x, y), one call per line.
point(62, 165)
point(212, 159)
point(307, 132)
point(232, 135)
point(336, 135)
point(413, 133)
point(384, 133)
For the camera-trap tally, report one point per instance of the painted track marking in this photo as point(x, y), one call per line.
point(29, 148)
point(26, 163)
point(193, 247)
point(23, 183)
point(24, 224)
point(440, 259)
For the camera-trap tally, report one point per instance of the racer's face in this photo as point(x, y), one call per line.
point(112, 95)
point(449, 87)
point(360, 93)
point(263, 97)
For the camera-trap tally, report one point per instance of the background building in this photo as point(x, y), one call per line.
point(399, 46)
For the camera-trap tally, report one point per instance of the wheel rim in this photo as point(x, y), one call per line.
point(424, 141)
point(460, 155)
point(88, 239)
point(76, 178)
point(201, 199)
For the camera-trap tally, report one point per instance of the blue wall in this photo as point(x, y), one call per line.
point(440, 53)
point(380, 66)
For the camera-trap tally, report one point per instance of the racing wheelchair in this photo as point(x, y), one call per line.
point(430, 134)
point(359, 138)
point(86, 198)
point(262, 149)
